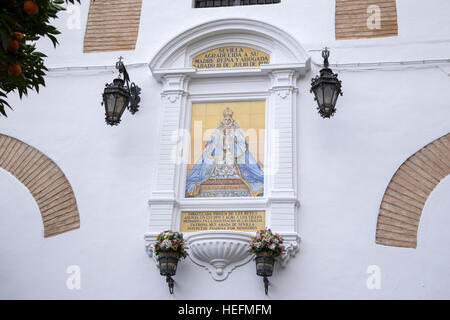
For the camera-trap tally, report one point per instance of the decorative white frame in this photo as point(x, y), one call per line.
point(183, 85)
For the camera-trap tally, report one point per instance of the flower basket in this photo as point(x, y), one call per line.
point(170, 241)
point(169, 248)
point(264, 264)
point(168, 262)
point(266, 245)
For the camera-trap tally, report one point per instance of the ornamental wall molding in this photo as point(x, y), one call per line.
point(291, 242)
point(179, 52)
point(150, 240)
point(220, 252)
point(205, 203)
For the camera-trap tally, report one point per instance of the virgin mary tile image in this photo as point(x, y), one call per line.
point(230, 163)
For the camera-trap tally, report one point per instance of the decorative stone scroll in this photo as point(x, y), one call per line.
point(230, 57)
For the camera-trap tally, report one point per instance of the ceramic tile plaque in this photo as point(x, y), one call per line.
point(245, 221)
point(227, 150)
point(230, 57)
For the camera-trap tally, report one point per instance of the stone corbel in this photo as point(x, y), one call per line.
point(291, 244)
point(150, 239)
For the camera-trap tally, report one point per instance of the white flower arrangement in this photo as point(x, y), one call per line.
point(170, 241)
point(267, 241)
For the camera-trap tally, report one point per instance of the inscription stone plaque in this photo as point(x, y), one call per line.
point(245, 221)
point(230, 57)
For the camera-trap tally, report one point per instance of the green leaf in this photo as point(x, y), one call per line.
point(33, 27)
point(2, 109)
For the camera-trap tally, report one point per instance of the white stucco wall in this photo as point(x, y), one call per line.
point(345, 164)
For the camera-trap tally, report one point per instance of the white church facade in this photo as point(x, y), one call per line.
point(225, 140)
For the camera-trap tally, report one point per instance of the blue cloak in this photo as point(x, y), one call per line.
point(249, 170)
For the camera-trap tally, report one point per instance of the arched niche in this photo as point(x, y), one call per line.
point(177, 54)
point(275, 84)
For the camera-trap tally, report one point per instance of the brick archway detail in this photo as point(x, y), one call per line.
point(45, 181)
point(407, 192)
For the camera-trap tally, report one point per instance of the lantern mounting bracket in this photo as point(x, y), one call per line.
point(134, 90)
point(170, 283)
point(266, 285)
point(325, 56)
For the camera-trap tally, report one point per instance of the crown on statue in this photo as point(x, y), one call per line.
point(228, 112)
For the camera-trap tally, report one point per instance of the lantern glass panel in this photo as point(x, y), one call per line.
point(335, 96)
point(116, 98)
point(318, 91)
point(121, 103)
point(328, 93)
point(110, 102)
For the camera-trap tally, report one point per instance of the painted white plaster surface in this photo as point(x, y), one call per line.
point(344, 165)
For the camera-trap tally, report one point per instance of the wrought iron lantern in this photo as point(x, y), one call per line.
point(264, 268)
point(120, 94)
point(168, 262)
point(326, 88)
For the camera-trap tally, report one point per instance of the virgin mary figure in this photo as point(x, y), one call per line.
point(226, 167)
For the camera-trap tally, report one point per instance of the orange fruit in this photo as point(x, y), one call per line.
point(18, 35)
point(30, 7)
point(2, 66)
point(13, 45)
point(14, 69)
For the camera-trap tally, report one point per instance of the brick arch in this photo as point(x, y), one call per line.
point(46, 182)
point(407, 192)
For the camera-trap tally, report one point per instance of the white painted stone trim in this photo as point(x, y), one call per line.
point(176, 53)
